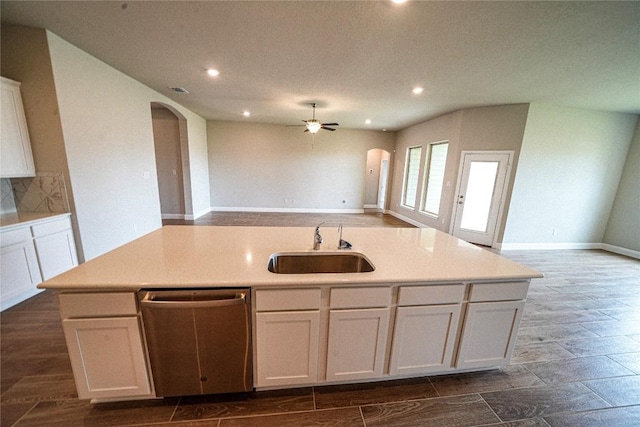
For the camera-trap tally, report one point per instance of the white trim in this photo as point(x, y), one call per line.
point(371, 206)
point(202, 212)
point(621, 251)
point(283, 210)
point(557, 246)
point(544, 246)
point(406, 219)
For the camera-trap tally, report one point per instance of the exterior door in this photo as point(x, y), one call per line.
point(482, 180)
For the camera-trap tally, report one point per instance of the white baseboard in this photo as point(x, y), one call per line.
point(621, 251)
point(406, 219)
point(560, 246)
point(284, 210)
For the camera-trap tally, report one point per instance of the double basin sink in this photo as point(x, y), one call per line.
point(319, 262)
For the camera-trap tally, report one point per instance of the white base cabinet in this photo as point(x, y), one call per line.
point(287, 345)
point(107, 357)
point(106, 345)
point(335, 334)
point(19, 272)
point(287, 337)
point(489, 334)
point(424, 339)
point(357, 342)
point(31, 253)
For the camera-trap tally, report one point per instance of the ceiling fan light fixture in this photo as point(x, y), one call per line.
point(313, 125)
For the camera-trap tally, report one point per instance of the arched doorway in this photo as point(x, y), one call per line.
point(172, 162)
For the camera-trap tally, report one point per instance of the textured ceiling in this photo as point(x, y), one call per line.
point(359, 60)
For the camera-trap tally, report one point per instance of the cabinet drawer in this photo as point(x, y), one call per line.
point(9, 238)
point(498, 291)
point(360, 297)
point(97, 304)
point(287, 299)
point(430, 295)
point(51, 227)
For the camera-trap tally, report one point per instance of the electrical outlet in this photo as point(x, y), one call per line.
point(554, 232)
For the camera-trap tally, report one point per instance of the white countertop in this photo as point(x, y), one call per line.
point(9, 221)
point(203, 256)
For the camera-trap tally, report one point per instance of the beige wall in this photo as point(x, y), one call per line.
point(568, 174)
point(272, 167)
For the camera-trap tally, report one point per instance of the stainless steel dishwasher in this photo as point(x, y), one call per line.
point(199, 341)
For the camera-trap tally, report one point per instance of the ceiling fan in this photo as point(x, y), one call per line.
point(313, 125)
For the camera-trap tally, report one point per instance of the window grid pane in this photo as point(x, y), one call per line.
point(411, 176)
point(434, 178)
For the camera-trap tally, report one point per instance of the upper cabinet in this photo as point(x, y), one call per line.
point(16, 159)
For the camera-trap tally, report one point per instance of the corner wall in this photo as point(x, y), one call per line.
point(569, 169)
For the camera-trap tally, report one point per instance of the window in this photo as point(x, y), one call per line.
point(411, 171)
point(434, 178)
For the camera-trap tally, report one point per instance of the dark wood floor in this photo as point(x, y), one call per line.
point(577, 363)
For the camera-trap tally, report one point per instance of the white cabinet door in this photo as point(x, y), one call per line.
point(357, 343)
point(16, 159)
point(107, 357)
point(287, 348)
point(56, 253)
point(489, 334)
point(19, 273)
point(424, 339)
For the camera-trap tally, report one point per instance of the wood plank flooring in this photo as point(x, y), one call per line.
point(576, 363)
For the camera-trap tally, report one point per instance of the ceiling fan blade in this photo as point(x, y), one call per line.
point(306, 130)
point(326, 128)
point(330, 124)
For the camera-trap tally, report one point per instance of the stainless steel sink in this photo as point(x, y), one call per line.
point(322, 262)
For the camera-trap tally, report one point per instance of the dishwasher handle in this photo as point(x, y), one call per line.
point(238, 299)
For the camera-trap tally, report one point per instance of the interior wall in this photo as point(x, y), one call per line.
point(256, 166)
point(96, 119)
point(569, 169)
point(623, 227)
point(166, 138)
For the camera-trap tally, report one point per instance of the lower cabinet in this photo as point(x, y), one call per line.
point(19, 271)
point(489, 334)
point(107, 354)
point(424, 339)
point(357, 343)
point(287, 348)
point(107, 357)
point(55, 247)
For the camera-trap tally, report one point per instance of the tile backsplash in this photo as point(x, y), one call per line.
point(7, 202)
point(46, 192)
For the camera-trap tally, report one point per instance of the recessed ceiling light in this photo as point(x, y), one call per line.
point(418, 90)
point(398, 1)
point(179, 90)
point(246, 113)
point(368, 121)
point(213, 72)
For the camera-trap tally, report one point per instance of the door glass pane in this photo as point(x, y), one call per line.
point(477, 200)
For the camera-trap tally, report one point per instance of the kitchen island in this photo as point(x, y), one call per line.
point(433, 304)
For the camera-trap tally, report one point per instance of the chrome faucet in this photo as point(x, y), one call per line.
point(317, 238)
point(342, 244)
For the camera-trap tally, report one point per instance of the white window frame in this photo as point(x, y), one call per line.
point(405, 178)
point(426, 175)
